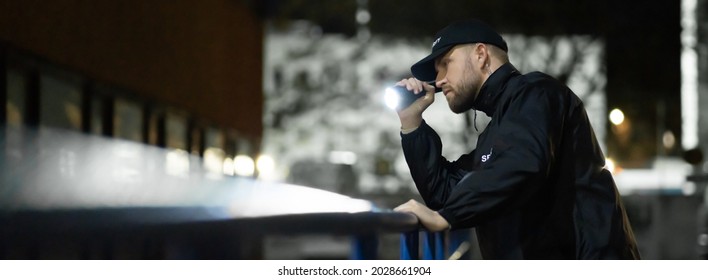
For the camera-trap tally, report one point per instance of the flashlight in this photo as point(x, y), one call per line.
point(398, 97)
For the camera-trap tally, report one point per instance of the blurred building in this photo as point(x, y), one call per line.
point(183, 75)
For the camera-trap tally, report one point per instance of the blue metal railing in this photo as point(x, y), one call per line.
point(417, 245)
point(433, 245)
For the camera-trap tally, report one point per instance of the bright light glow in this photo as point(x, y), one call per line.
point(126, 150)
point(265, 199)
point(266, 167)
point(688, 188)
point(244, 166)
point(213, 161)
point(342, 157)
point(610, 165)
point(665, 174)
point(228, 166)
point(689, 75)
point(177, 163)
point(391, 98)
point(616, 116)
point(668, 139)
point(363, 16)
point(703, 239)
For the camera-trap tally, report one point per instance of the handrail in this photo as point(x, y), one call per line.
point(63, 186)
point(434, 245)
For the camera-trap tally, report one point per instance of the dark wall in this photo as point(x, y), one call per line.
point(204, 57)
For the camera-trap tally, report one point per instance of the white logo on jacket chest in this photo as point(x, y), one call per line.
point(486, 157)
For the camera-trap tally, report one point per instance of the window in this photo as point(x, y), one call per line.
point(96, 115)
point(16, 92)
point(214, 153)
point(128, 120)
point(59, 103)
point(176, 132)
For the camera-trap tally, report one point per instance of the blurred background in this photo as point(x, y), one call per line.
point(292, 91)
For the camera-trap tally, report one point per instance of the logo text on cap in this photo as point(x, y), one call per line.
point(436, 42)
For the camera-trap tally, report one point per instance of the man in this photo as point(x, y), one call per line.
point(535, 186)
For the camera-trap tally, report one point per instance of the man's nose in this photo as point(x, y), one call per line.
point(440, 82)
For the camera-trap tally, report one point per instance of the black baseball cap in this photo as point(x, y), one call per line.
point(461, 32)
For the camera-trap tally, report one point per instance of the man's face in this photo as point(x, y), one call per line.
point(459, 76)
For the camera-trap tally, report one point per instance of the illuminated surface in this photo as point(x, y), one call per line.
point(689, 75)
point(68, 170)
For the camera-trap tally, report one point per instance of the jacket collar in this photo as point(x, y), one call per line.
point(492, 88)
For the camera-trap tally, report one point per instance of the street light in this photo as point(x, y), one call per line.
point(616, 116)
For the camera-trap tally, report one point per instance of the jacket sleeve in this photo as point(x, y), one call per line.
point(519, 163)
point(433, 175)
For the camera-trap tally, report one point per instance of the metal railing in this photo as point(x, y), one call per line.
point(95, 194)
point(435, 245)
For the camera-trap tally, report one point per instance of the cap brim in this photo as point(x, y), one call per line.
point(424, 69)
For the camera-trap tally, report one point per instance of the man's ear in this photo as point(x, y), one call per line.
point(481, 51)
point(480, 55)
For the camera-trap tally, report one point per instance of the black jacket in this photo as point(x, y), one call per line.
point(535, 187)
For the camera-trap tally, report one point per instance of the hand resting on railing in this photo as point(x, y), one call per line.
point(430, 219)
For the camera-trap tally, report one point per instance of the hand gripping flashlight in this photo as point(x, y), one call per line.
point(398, 97)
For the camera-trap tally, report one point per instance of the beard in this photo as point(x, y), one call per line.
point(465, 92)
